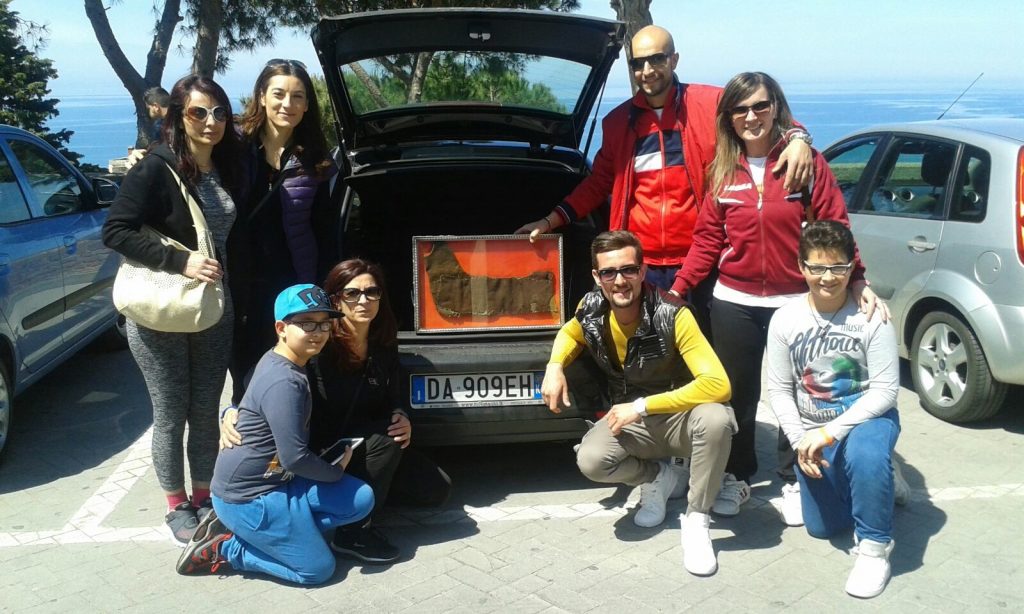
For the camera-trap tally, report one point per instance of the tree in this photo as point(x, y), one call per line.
point(223, 27)
point(24, 77)
point(636, 14)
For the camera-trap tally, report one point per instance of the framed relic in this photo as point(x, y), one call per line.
point(485, 283)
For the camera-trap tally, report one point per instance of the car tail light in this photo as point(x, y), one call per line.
point(1020, 205)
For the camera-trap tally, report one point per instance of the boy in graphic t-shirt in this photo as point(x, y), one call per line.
point(272, 497)
point(832, 380)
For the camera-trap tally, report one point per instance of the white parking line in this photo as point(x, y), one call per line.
point(86, 525)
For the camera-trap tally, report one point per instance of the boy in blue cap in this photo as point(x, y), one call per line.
point(272, 497)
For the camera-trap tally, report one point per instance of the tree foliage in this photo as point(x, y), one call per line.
point(24, 77)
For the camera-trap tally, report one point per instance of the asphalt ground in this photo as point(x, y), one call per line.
point(81, 526)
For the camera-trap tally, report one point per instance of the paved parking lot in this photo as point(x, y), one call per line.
point(80, 527)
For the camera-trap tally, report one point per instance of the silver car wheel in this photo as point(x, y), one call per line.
point(950, 371)
point(943, 365)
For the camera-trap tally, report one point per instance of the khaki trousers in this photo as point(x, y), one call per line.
point(702, 434)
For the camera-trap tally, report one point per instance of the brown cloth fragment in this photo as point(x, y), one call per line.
point(456, 293)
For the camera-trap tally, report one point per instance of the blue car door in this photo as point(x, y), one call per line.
point(31, 282)
point(71, 214)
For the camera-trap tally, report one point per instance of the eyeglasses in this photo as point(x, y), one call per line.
point(310, 326)
point(282, 61)
point(656, 60)
point(839, 270)
point(351, 295)
point(758, 108)
point(628, 273)
point(199, 114)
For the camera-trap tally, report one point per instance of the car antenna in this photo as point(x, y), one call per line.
point(980, 75)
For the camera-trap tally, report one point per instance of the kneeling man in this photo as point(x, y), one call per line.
point(667, 389)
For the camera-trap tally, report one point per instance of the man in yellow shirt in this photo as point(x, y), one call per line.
point(667, 387)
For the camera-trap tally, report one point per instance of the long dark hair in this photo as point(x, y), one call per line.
point(383, 328)
point(225, 153)
point(729, 145)
point(308, 138)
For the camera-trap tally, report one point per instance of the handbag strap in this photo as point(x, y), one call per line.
point(805, 200)
point(198, 219)
point(285, 156)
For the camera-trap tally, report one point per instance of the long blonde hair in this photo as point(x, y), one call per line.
point(729, 145)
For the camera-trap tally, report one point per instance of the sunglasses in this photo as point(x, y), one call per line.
point(656, 60)
point(199, 114)
point(351, 295)
point(758, 108)
point(282, 61)
point(628, 273)
point(309, 326)
point(839, 270)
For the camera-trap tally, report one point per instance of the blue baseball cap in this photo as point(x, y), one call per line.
point(303, 298)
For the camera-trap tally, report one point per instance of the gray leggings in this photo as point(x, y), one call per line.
point(185, 374)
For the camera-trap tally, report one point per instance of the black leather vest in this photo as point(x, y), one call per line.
point(653, 364)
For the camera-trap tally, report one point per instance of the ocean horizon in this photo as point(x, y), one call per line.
point(104, 125)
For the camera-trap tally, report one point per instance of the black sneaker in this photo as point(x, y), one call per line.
point(203, 551)
point(182, 522)
point(366, 544)
point(204, 508)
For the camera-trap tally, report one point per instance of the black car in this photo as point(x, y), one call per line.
point(461, 125)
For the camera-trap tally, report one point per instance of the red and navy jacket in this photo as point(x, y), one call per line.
point(755, 236)
point(654, 170)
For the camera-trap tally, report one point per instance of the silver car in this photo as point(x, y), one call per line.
point(938, 212)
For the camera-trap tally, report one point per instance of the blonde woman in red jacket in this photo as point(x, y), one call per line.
point(749, 225)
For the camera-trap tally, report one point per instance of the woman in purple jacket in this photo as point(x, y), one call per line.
point(286, 216)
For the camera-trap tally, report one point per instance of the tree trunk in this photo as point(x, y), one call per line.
point(636, 14)
point(135, 83)
point(371, 87)
point(208, 24)
point(419, 75)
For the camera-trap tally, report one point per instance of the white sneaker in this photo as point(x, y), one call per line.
point(698, 555)
point(871, 569)
point(792, 513)
point(733, 494)
point(654, 495)
point(900, 487)
point(681, 466)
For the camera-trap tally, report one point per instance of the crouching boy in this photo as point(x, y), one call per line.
point(272, 497)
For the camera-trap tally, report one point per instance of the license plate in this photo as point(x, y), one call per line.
point(476, 389)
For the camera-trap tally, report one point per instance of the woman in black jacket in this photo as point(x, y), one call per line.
point(184, 372)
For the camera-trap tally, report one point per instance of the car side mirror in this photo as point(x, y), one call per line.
point(105, 190)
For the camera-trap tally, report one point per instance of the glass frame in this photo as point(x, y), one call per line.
point(531, 299)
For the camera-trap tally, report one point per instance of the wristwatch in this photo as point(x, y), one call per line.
point(640, 406)
point(799, 135)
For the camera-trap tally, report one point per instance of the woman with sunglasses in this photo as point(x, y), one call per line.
point(749, 225)
point(184, 372)
point(285, 217)
point(356, 394)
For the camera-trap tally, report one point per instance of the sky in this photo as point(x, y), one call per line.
point(808, 45)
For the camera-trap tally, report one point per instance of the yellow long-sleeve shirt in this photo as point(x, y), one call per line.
point(710, 384)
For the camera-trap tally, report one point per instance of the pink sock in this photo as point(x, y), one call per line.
point(199, 495)
point(175, 500)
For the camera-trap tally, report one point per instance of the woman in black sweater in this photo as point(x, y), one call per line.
point(184, 372)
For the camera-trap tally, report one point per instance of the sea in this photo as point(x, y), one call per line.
point(104, 125)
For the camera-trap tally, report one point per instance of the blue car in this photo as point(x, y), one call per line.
point(55, 274)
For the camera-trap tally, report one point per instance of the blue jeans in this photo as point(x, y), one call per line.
point(857, 486)
point(661, 276)
point(280, 533)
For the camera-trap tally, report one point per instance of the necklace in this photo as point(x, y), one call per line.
point(823, 325)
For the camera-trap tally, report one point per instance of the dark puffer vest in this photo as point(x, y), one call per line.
point(653, 364)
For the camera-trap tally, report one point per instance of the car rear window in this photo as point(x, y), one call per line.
point(460, 77)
